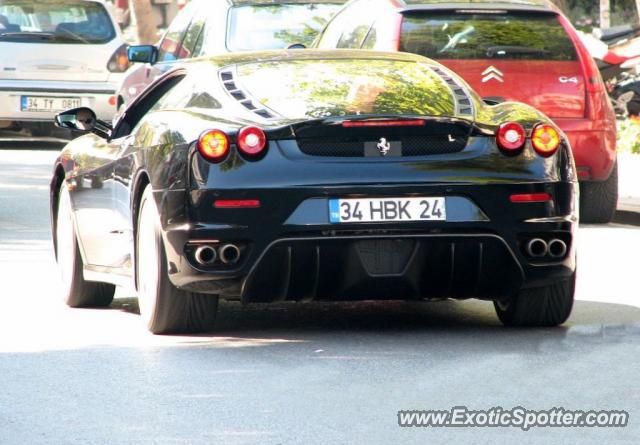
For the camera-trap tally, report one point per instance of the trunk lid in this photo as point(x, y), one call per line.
point(524, 56)
point(555, 88)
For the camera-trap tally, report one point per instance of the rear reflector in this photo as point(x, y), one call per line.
point(384, 123)
point(531, 197)
point(584, 172)
point(236, 203)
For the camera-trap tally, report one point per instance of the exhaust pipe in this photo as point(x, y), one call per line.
point(229, 254)
point(537, 248)
point(557, 248)
point(205, 255)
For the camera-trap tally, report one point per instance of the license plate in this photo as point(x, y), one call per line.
point(42, 103)
point(387, 209)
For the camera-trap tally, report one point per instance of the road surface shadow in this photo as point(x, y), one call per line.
point(472, 320)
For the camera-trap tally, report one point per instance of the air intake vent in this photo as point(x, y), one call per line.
point(227, 77)
point(463, 103)
point(434, 138)
point(426, 145)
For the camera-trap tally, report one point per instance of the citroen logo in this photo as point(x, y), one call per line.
point(492, 73)
point(384, 146)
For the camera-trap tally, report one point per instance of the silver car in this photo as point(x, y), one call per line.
point(57, 54)
point(210, 27)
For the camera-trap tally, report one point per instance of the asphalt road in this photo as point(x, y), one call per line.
point(299, 374)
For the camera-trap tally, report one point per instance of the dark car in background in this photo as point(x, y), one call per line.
point(523, 50)
point(206, 27)
point(328, 175)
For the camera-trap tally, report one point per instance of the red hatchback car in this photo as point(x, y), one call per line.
point(524, 50)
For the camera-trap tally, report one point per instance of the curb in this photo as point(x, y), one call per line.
point(629, 217)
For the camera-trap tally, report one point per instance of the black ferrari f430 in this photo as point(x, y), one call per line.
point(303, 175)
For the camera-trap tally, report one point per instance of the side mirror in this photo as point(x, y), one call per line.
point(143, 54)
point(78, 119)
point(297, 46)
point(83, 119)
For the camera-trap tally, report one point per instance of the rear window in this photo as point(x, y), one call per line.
point(254, 28)
point(486, 36)
point(49, 21)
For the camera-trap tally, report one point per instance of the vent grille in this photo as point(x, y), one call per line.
point(228, 79)
point(464, 105)
point(411, 146)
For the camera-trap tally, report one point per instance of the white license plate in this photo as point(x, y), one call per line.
point(387, 209)
point(42, 103)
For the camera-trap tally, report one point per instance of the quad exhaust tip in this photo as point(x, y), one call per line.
point(205, 255)
point(229, 254)
point(557, 248)
point(537, 248)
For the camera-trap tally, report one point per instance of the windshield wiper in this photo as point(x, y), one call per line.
point(503, 50)
point(28, 35)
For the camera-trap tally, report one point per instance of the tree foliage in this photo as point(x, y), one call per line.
point(585, 14)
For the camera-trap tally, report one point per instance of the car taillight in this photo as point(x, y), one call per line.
point(213, 145)
point(511, 137)
point(252, 142)
point(593, 79)
point(545, 139)
point(119, 61)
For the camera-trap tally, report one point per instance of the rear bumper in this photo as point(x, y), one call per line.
point(594, 146)
point(98, 96)
point(292, 252)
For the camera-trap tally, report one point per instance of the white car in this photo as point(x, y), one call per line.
point(57, 54)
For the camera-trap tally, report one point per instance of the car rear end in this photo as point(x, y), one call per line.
point(529, 54)
point(58, 55)
point(376, 177)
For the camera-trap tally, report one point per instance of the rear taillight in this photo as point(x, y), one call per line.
point(119, 61)
point(252, 142)
point(593, 79)
point(511, 137)
point(213, 145)
point(545, 139)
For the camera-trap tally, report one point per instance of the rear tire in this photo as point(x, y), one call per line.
point(540, 307)
point(164, 308)
point(77, 291)
point(599, 200)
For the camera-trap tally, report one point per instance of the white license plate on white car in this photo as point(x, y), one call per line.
point(44, 103)
point(387, 209)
